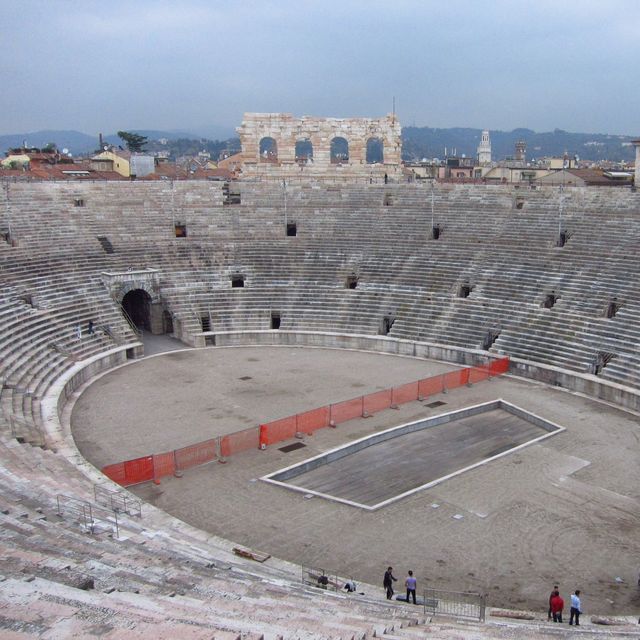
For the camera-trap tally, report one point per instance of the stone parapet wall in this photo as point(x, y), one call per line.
point(586, 384)
point(286, 131)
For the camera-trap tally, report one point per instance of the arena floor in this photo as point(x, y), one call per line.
point(563, 511)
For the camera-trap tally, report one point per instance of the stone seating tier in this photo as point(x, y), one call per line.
point(166, 579)
point(507, 255)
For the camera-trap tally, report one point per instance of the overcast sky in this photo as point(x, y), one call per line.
point(196, 64)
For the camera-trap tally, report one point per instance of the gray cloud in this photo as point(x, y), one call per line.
point(191, 64)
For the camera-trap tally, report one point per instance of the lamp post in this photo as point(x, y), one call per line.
point(561, 202)
point(432, 204)
point(284, 193)
point(173, 206)
point(6, 189)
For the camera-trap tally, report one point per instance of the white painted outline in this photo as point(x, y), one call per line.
point(488, 406)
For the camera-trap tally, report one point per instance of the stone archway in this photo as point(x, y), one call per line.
point(140, 299)
point(323, 147)
point(137, 305)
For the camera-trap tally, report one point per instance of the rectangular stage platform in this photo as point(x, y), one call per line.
point(379, 469)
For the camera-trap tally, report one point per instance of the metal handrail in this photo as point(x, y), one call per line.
point(127, 317)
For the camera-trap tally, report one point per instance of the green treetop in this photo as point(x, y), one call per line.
point(133, 141)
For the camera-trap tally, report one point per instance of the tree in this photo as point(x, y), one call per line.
point(134, 141)
point(50, 147)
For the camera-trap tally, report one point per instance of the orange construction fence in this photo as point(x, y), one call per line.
point(160, 465)
point(196, 454)
point(239, 441)
point(131, 471)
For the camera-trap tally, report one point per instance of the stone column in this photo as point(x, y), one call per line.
point(636, 178)
point(155, 318)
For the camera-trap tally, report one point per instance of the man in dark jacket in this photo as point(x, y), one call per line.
point(388, 581)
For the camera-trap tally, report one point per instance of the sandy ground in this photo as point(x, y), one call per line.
point(566, 511)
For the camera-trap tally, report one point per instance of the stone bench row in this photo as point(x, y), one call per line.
point(163, 577)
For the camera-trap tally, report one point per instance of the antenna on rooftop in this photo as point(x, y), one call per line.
point(394, 110)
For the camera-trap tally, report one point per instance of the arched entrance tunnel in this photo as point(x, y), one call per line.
point(137, 305)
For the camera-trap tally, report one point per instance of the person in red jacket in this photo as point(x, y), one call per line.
point(553, 593)
point(557, 605)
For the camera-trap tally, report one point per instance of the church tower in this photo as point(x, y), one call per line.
point(484, 149)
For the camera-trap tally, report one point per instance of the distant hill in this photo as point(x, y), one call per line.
point(424, 142)
point(80, 143)
point(418, 142)
point(75, 141)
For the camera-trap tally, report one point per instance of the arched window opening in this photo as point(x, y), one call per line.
point(375, 151)
point(339, 151)
point(237, 281)
point(268, 150)
point(137, 305)
point(304, 152)
point(351, 281)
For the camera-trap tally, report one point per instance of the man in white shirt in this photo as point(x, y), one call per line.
point(410, 583)
point(576, 608)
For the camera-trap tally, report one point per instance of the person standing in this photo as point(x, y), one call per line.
point(557, 605)
point(553, 591)
point(576, 608)
point(388, 581)
point(410, 583)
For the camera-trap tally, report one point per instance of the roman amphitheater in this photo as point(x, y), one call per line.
point(212, 347)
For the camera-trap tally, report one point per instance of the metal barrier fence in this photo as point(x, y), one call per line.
point(91, 518)
point(159, 465)
point(322, 579)
point(117, 501)
point(456, 604)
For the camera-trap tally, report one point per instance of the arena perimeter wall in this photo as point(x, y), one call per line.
point(588, 385)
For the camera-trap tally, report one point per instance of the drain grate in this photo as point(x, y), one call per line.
point(245, 378)
point(433, 405)
point(292, 447)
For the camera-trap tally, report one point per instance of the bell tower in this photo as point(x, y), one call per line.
point(484, 148)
